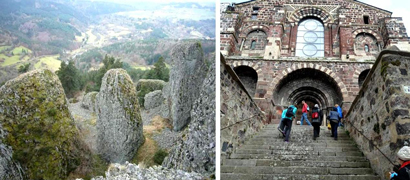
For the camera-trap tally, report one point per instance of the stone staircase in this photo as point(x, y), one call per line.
point(267, 156)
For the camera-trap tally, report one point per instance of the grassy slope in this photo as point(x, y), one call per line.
point(51, 62)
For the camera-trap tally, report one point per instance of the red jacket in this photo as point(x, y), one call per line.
point(304, 108)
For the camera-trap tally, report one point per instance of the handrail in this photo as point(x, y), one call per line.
point(238, 122)
point(391, 162)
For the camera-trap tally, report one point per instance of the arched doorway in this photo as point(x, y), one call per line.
point(362, 77)
point(249, 78)
point(312, 86)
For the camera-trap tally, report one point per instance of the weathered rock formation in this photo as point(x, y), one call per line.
point(89, 101)
point(38, 126)
point(186, 78)
point(153, 99)
point(197, 152)
point(132, 171)
point(119, 124)
point(9, 169)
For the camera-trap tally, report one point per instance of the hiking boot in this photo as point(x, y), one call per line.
point(281, 131)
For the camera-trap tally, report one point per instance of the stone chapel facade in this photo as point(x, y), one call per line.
point(320, 51)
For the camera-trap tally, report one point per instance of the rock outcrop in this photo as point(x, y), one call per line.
point(145, 86)
point(153, 99)
point(186, 78)
point(9, 169)
point(132, 171)
point(38, 126)
point(119, 124)
point(89, 101)
point(197, 152)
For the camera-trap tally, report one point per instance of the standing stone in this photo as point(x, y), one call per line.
point(119, 124)
point(186, 78)
point(39, 127)
point(197, 152)
point(153, 99)
point(89, 100)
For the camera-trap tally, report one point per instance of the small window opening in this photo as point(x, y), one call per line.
point(366, 19)
point(254, 16)
point(253, 44)
point(255, 10)
point(366, 48)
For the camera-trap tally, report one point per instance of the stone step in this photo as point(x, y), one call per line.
point(301, 147)
point(297, 143)
point(273, 163)
point(302, 153)
point(292, 157)
point(236, 176)
point(296, 170)
point(305, 141)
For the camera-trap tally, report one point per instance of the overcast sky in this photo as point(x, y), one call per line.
point(399, 8)
point(161, 1)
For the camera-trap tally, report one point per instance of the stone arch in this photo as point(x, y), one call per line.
point(359, 71)
point(253, 65)
point(283, 73)
point(249, 29)
point(317, 12)
point(248, 77)
point(367, 31)
point(366, 40)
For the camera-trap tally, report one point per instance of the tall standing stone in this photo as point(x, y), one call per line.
point(39, 127)
point(119, 124)
point(197, 152)
point(185, 80)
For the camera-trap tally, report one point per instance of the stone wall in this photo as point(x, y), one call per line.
point(342, 21)
point(381, 111)
point(240, 115)
point(343, 74)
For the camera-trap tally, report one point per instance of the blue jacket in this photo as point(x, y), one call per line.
point(334, 115)
point(339, 110)
point(286, 110)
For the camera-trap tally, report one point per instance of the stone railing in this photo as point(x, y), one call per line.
point(240, 115)
point(379, 119)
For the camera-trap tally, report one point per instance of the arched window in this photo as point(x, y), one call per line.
point(366, 48)
point(253, 44)
point(310, 39)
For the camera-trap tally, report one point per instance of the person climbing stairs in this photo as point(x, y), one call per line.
point(267, 156)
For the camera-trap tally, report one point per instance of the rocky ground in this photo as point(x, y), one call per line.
point(132, 171)
point(86, 122)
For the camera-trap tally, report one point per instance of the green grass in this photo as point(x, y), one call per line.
point(2, 48)
point(9, 60)
point(142, 67)
point(51, 62)
point(19, 50)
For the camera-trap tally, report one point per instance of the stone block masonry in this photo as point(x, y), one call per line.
point(240, 116)
point(381, 111)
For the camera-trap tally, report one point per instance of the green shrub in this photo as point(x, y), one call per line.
point(145, 86)
point(160, 156)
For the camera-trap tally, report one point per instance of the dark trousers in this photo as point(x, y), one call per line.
point(288, 127)
point(334, 128)
point(316, 129)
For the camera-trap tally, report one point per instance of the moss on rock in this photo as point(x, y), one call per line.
point(119, 124)
point(34, 112)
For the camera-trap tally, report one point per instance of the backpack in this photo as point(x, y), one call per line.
point(289, 113)
point(315, 114)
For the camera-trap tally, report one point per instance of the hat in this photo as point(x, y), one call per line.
point(316, 105)
point(404, 153)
